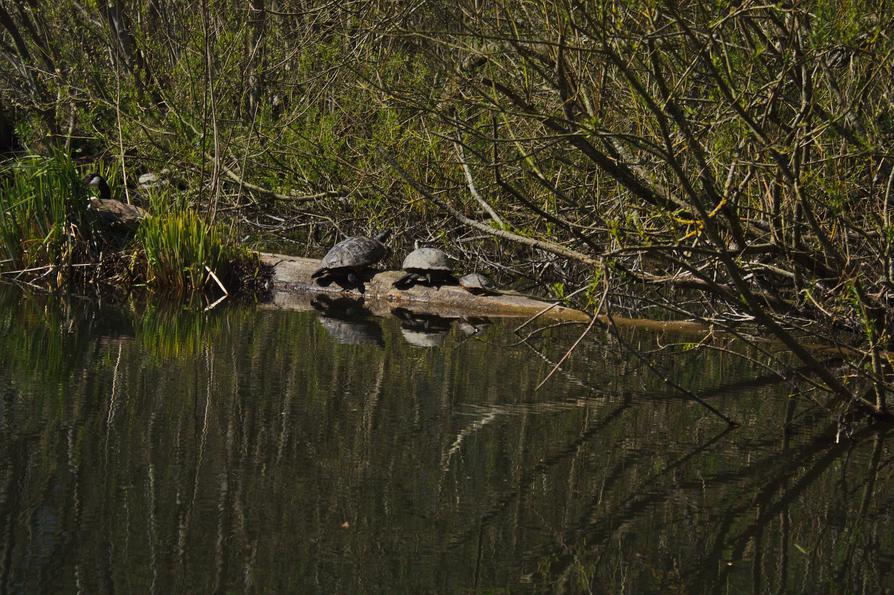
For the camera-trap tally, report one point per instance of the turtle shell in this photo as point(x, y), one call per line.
point(355, 252)
point(477, 281)
point(426, 259)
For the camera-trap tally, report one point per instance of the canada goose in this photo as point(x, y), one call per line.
point(112, 212)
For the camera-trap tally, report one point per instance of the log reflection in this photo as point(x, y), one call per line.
point(240, 450)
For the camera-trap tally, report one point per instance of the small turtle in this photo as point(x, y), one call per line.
point(350, 259)
point(478, 284)
point(425, 264)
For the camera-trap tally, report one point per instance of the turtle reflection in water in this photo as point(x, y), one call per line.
point(422, 329)
point(472, 325)
point(348, 262)
point(347, 321)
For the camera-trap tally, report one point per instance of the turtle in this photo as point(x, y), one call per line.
point(425, 264)
point(350, 259)
point(111, 212)
point(478, 284)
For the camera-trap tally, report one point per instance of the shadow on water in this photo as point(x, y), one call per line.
point(171, 450)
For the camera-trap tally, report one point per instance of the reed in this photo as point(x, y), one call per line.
point(43, 213)
point(182, 250)
point(47, 226)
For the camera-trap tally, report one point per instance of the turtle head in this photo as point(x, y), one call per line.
point(383, 237)
point(95, 180)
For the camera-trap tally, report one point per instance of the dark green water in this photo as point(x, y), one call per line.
point(248, 450)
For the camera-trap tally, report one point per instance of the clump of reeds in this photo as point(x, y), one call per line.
point(43, 213)
point(47, 235)
point(185, 254)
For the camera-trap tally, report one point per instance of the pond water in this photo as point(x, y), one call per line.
point(254, 449)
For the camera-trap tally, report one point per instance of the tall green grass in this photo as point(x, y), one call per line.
point(180, 249)
point(43, 212)
point(45, 222)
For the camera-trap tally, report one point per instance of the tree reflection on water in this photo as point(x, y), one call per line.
point(161, 450)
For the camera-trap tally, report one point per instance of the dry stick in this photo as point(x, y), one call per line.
point(219, 284)
point(216, 303)
point(579, 339)
point(500, 233)
point(118, 120)
point(471, 183)
point(567, 353)
point(21, 271)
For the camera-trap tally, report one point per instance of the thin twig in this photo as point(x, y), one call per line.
point(473, 190)
point(568, 353)
point(500, 233)
point(216, 302)
point(548, 308)
point(579, 339)
point(21, 271)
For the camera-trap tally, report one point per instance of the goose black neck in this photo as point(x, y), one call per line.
point(105, 192)
point(102, 187)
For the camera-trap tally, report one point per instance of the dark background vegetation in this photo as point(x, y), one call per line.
point(728, 162)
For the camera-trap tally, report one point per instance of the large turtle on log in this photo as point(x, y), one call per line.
point(350, 259)
point(428, 265)
point(110, 212)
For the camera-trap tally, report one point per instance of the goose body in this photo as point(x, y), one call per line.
point(112, 212)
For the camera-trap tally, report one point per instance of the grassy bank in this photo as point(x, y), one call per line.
point(53, 234)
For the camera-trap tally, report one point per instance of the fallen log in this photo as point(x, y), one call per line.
point(293, 289)
point(292, 276)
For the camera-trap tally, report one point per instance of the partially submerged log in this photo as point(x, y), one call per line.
point(292, 275)
point(294, 289)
